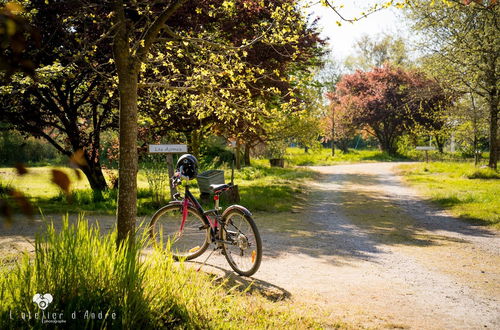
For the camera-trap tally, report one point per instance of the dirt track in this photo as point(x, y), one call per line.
point(367, 250)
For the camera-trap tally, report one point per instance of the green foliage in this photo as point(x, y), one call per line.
point(155, 169)
point(276, 149)
point(461, 45)
point(375, 52)
point(85, 271)
point(469, 193)
point(27, 150)
point(215, 153)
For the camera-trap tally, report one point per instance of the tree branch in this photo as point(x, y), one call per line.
point(155, 28)
point(354, 19)
point(175, 36)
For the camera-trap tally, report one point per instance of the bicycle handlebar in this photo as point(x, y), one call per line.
point(177, 179)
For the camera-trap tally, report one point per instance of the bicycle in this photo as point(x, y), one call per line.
point(189, 229)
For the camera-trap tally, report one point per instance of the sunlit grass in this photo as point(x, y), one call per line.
point(467, 191)
point(323, 156)
point(85, 271)
point(261, 188)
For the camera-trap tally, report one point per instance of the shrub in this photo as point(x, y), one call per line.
point(215, 153)
point(28, 150)
point(485, 173)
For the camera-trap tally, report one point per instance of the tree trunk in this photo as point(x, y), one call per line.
point(388, 146)
point(384, 141)
point(127, 173)
point(246, 156)
point(94, 175)
point(127, 70)
point(494, 145)
point(475, 149)
point(127, 67)
point(237, 155)
point(333, 131)
point(195, 143)
point(343, 145)
point(439, 143)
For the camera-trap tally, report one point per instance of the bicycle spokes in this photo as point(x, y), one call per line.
point(240, 244)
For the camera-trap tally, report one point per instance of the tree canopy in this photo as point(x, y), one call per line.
point(464, 51)
point(387, 102)
point(189, 66)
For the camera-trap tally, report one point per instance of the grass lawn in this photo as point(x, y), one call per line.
point(468, 192)
point(323, 156)
point(261, 187)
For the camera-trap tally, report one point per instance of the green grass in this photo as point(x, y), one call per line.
point(136, 288)
point(261, 188)
point(323, 156)
point(468, 192)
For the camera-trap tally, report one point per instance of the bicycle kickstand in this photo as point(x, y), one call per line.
point(205, 262)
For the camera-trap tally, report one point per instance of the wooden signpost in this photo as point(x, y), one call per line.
point(426, 149)
point(170, 150)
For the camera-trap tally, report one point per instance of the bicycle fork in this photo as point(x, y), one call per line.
point(185, 205)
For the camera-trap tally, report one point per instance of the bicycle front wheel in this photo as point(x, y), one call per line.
point(242, 244)
point(187, 242)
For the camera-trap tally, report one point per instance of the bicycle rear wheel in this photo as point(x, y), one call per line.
point(243, 245)
point(188, 243)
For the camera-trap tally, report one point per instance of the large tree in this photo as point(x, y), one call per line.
point(375, 51)
point(466, 52)
point(65, 101)
point(226, 91)
point(138, 28)
point(387, 101)
point(136, 46)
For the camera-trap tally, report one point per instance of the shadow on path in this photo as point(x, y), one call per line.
point(231, 280)
point(355, 215)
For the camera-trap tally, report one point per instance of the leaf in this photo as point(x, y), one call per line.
point(62, 180)
point(14, 8)
point(6, 212)
point(78, 174)
point(21, 170)
point(23, 202)
point(77, 159)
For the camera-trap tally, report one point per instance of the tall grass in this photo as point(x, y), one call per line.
point(135, 288)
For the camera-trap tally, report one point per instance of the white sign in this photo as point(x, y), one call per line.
point(168, 148)
point(425, 148)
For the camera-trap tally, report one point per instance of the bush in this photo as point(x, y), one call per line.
point(27, 150)
point(485, 173)
point(215, 153)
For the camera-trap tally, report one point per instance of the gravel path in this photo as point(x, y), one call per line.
point(365, 249)
point(368, 251)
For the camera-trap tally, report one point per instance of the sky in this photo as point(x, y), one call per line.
point(342, 38)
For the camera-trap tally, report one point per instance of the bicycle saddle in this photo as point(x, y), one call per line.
point(218, 188)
